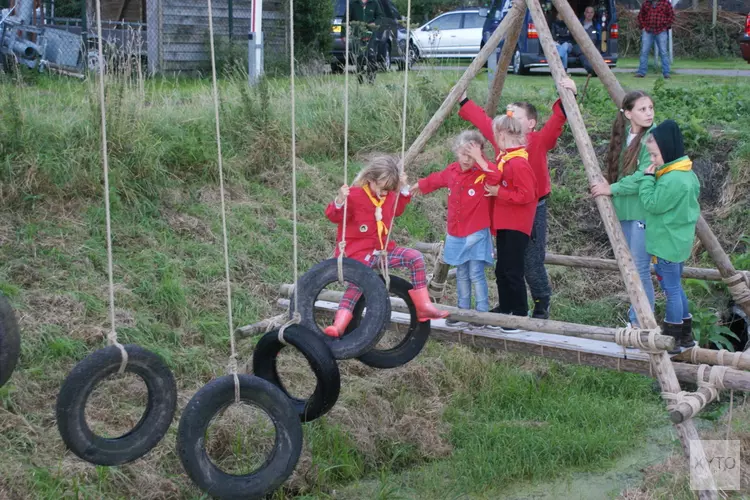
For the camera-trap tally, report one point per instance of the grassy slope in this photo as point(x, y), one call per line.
point(479, 423)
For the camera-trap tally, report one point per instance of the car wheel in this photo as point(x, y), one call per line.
point(518, 67)
point(337, 67)
point(386, 62)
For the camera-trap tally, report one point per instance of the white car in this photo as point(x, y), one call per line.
point(454, 34)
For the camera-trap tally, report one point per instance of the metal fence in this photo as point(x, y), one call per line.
point(165, 36)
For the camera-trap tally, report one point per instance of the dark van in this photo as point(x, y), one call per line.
point(529, 53)
point(390, 45)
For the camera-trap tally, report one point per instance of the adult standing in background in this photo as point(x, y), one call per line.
point(655, 20)
point(367, 12)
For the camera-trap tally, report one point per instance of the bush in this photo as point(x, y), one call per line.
point(693, 34)
point(312, 27)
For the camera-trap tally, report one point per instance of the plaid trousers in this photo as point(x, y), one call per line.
point(400, 257)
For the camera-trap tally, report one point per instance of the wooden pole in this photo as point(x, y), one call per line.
point(565, 352)
point(505, 320)
point(616, 92)
point(463, 83)
point(698, 273)
point(509, 48)
point(662, 365)
point(739, 360)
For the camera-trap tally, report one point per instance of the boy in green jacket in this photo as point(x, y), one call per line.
point(669, 193)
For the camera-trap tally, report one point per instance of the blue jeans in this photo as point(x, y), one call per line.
point(669, 275)
point(472, 273)
point(647, 41)
point(635, 235)
point(564, 49)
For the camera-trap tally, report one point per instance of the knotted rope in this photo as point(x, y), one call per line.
point(738, 288)
point(736, 357)
point(698, 400)
point(342, 243)
point(112, 335)
point(630, 336)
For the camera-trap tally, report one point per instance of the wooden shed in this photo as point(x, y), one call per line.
point(177, 32)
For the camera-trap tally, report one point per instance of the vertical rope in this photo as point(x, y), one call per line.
point(342, 245)
point(384, 255)
point(729, 422)
point(232, 341)
point(294, 160)
point(112, 335)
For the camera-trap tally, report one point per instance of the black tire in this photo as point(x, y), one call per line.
point(337, 68)
point(10, 341)
point(367, 335)
point(148, 432)
point(518, 66)
point(412, 343)
point(212, 399)
point(321, 361)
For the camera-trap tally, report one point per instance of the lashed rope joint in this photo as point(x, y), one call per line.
point(112, 340)
point(631, 337)
point(738, 288)
point(342, 251)
point(698, 400)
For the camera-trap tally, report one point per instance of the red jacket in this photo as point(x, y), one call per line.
point(468, 207)
point(516, 201)
point(361, 227)
point(538, 144)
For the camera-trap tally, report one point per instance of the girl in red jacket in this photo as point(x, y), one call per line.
point(515, 187)
point(370, 208)
point(468, 244)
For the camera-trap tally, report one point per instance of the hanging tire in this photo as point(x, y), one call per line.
point(412, 343)
point(321, 361)
point(147, 433)
point(10, 341)
point(368, 333)
point(207, 403)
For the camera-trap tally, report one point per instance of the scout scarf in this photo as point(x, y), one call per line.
point(683, 165)
point(382, 229)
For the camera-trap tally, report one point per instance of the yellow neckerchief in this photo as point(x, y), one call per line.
point(382, 228)
point(518, 153)
point(684, 164)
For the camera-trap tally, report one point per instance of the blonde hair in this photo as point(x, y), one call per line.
point(509, 126)
point(467, 137)
point(380, 168)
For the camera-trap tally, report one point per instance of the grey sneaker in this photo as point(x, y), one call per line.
point(455, 323)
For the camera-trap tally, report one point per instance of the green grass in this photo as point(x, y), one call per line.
point(453, 422)
point(733, 63)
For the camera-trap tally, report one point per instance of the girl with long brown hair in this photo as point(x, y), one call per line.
point(627, 159)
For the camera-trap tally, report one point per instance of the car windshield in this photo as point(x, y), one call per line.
point(339, 8)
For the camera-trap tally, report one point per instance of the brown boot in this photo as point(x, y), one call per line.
point(340, 322)
point(686, 340)
point(425, 310)
point(673, 330)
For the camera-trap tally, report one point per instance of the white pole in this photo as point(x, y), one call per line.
point(255, 43)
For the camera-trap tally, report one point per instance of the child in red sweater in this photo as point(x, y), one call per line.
point(468, 244)
point(515, 188)
point(371, 204)
point(538, 144)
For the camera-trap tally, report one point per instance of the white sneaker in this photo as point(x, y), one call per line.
point(511, 330)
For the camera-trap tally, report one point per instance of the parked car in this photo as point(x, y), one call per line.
point(390, 34)
point(745, 41)
point(529, 53)
point(455, 34)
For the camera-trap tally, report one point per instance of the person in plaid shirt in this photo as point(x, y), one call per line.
point(655, 20)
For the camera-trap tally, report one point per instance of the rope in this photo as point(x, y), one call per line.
point(738, 288)
point(296, 316)
point(736, 357)
point(698, 400)
point(112, 335)
point(729, 421)
point(695, 400)
point(629, 336)
point(342, 243)
point(384, 255)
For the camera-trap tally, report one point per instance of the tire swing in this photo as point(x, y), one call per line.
point(10, 341)
point(115, 358)
point(216, 396)
point(412, 343)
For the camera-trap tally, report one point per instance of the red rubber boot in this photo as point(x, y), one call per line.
point(340, 322)
point(425, 310)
